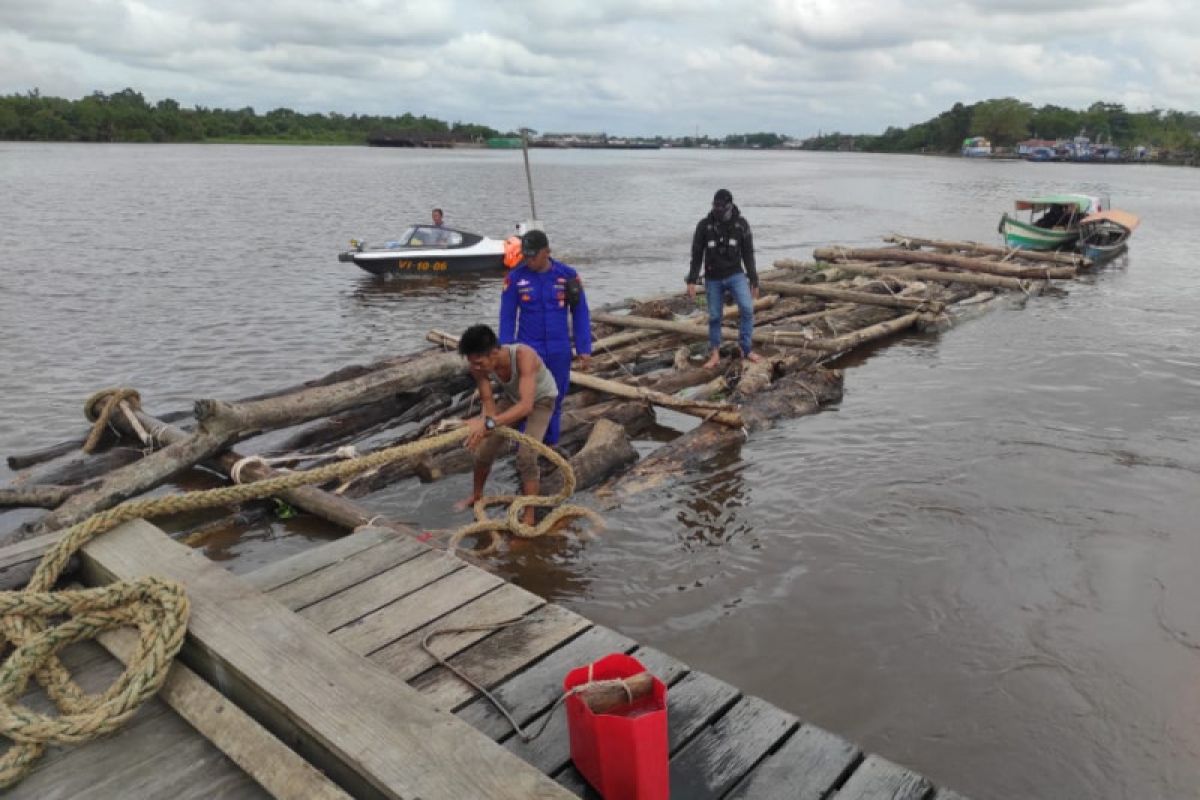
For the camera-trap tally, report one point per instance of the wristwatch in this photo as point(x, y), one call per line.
point(489, 424)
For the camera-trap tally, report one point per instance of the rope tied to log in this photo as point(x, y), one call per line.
point(235, 472)
point(158, 608)
point(100, 407)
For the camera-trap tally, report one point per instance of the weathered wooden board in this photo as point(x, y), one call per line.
point(367, 730)
point(269, 762)
point(348, 572)
point(535, 689)
point(551, 750)
point(808, 765)
point(20, 559)
point(726, 750)
point(380, 628)
point(379, 590)
point(880, 779)
point(317, 558)
point(406, 659)
point(500, 655)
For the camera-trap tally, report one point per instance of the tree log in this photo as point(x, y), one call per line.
point(965, 278)
point(795, 394)
point(607, 450)
point(769, 337)
point(722, 413)
point(39, 496)
point(850, 296)
point(837, 254)
point(1053, 256)
point(221, 424)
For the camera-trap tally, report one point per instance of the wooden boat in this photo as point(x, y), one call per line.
point(1106, 234)
point(1053, 221)
point(429, 250)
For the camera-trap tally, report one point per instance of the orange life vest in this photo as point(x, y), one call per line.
point(512, 252)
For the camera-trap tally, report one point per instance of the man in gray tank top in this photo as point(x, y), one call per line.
point(527, 395)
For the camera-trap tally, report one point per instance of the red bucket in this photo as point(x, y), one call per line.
point(622, 754)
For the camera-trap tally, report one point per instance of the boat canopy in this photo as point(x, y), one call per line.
point(1082, 202)
point(1125, 219)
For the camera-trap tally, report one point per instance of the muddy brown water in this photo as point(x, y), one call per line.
point(981, 564)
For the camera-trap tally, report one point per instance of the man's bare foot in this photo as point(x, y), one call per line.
point(753, 358)
point(713, 360)
point(464, 504)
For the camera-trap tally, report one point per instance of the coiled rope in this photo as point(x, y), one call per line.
point(159, 608)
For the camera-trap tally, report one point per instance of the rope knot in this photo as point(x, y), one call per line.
point(100, 407)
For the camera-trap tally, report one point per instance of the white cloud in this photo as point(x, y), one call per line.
point(628, 66)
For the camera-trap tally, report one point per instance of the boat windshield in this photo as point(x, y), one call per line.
point(431, 236)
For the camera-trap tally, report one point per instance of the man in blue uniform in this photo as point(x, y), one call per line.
point(540, 296)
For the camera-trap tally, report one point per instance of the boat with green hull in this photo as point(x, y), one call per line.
point(1053, 221)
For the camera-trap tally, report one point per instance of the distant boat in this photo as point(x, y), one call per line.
point(1041, 154)
point(1106, 234)
point(1053, 221)
point(428, 250)
point(976, 147)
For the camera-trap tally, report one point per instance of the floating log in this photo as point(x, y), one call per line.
point(1053, 256)
point(795, 394)
point(760, 336)
point(880, 330)
point(850, 296)
point(966, 278)
point(607, 450)
point(722, 413)
point(223, 423)
point(40, 496)
point(836, 254)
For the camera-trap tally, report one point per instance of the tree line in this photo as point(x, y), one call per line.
point(1006, 121)
point(125, 116)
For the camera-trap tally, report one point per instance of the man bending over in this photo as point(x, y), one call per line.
point(527, 394)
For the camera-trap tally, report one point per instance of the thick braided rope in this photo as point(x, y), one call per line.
point(518, 503)
point(158, 608)
point(99, 409)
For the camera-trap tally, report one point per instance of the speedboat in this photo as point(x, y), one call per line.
point(428, 250)
point(1053, 221)
point(1106, 234)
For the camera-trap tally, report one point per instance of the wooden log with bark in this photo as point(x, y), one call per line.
point(965, 278)
point(760, 336)
point(975, 248)
point(851, 296)
point(36, 496)
point(836, 254)
point(606, 451)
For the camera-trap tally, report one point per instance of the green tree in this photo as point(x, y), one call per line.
point(1004, 121)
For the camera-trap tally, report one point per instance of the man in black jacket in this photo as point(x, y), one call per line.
point(723, 243)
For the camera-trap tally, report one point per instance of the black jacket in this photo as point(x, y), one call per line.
point(723, 247)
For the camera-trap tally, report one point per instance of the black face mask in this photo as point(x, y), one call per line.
point(723, 212)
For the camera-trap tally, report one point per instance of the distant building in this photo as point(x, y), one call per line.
point(1027, 147)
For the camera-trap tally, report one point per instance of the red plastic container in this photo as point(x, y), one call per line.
point(623, 755)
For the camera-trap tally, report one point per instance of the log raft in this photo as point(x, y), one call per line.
point(647, 355)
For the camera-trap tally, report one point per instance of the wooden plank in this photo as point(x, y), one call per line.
point(380, 628)
point(155, 756)
point(370, 732)
point(808, 765)
point(379, 590)
point(880, 779)
point(271, 763)
point(500, 655)
point(725, 751)
point(406, 659)
point(695, 700)
point(289, 569)
point(348, 572)
point(535, 689)
point(550, 751)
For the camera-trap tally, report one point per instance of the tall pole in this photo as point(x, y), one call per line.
point(528, 176)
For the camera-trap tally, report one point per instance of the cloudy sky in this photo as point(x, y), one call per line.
point(619, 66)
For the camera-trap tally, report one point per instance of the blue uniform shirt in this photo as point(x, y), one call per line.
point(534, 311)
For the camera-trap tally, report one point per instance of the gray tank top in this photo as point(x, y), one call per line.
point(544, 388)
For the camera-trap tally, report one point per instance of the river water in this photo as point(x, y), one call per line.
point(981, 564)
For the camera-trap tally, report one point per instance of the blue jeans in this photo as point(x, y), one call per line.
point(739, 286)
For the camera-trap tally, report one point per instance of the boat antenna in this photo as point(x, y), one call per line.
point(528, 176)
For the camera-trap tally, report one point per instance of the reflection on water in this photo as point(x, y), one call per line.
point(981, 564)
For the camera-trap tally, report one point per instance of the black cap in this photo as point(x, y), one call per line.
point(533, 242)
point(722, 197)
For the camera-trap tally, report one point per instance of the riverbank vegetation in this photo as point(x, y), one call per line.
point(1007, 121)
point(125, 116)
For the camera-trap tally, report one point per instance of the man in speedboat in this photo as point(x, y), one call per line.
point(542, 305)
point(528, 395)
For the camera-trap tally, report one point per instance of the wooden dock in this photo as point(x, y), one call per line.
point(310, 681)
